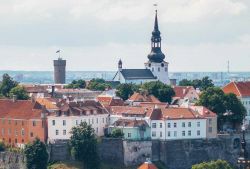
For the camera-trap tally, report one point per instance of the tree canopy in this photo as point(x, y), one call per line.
point(76, 84)
point(202, 84)
point(83, 144)
point(125, 90)
point(98, 85)
point(160, 90)
point(36, 155)
point(219, 164)
point(227, 106)
point(117, 133)
point(6, 85)
point(19, 92)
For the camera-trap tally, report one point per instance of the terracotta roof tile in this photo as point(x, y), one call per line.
point(131, 110)
point(182, 91)
point(138, 97)
point(241, 89)
point(130, 123)
point(148, 165)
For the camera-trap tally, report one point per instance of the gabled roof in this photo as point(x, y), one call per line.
point(182, 91)
point(110, 101)
point(240, 89)
point(148, 165)
point(137, 74)
point(138, 97)
point(131, 110)
point(20, 109)
point(203, 111)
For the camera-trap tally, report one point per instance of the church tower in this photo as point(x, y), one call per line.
point(156, 62)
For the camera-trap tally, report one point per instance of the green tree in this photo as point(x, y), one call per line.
point(83, 144)
point(19, 92)
point(160, 90)
point(185, 82)
point(202, 84)
point(219, 164)
point(125, 90)
point(6, 85)
point(36, 155)
point(98, 85)
point(117, 133)
point(227, 106)
point(2, 146)
point(76, 84)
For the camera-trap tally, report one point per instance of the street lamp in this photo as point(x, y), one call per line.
point(243, 160)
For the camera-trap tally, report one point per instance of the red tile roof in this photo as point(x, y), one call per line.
point(240, 89)
point(130, 123)
point(110, 101)
point(20, 109)
point(131, 110)
point(182, 91)
point(148, 165)
point(203, 111)
point(138, 97)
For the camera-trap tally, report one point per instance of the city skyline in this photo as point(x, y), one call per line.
point(198, 36)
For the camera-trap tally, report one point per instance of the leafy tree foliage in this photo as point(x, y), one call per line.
point(126, 90)
point(36, 155)
point(6, 85)
point(98, 85)
point(202, 84)
point(2, 146)
point(76, 84)
point(160, 90)
point(83, 144)
point(19, 92)
point(219, 164)
point(227, 106)
point(117, 133)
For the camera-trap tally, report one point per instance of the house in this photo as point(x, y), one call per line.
point(36, 91)
point(177, 123)
point(21, 121)
point(138, 98)
point(108, 101)
point(148, 165)
point(242, 91)
point(185, 95)
point(211, 124)
point(132, 129)
point(156, 68)
point(72, 113)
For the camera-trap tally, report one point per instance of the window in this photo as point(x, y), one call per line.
point(198, 132)
point(152, 69)
point(57, 132)
point(189, 124)
point(64, 122)
point(189, 133)
point(198, 124)
point(159, 69)
point(31, 134)
point(34, 123)
point(9, 131)
point(76, 122)
point(22, 132)
point(2, 121)
point(169, 125)
point(160, 134)
point(209, 121)
point(15, 122)
point(89, 121)
point(153, 125)
point(22, 123)
point(175, 133)
point(153, 134)
point(166, 69)
point(210, 129)
point(129, 135)
point(183, 133)
point(92, 121)
point(9, 121)
point(15, 140)
point(183, 124)
point(64, 132)
point(96, 120)
point(169, 133)
point(16, 132)
point(53, 122)
point(2, 131)
point(96, 129)
point(175, 125)
point(160, 125)
point(102, 120)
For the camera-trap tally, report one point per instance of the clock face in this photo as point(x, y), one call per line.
point(162, 64)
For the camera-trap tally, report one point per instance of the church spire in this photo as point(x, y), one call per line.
point(156, 54)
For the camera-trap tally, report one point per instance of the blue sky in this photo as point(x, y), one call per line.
point(198, 35)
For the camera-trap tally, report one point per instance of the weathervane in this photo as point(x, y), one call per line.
point(155, 5)
point(59, 53)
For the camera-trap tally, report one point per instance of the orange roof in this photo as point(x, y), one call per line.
point(241, 89)
point(119, 110)
point(203, 111)
point(148, 165)
point(49, 103)
point(110, 101)
point(138, 97)
point(20, 109)
point(182, 91)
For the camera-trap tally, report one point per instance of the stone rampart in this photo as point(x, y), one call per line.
point(11, 160)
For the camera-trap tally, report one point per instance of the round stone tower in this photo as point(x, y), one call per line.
point(59, 71)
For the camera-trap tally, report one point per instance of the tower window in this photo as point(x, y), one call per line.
point(152, 69)
point(166, 69)
point(162, 64)
point(149, 65)
point(159, 69)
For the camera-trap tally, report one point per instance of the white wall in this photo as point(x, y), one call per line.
point(179, 129)
point(98, 122)
point(160, 72)
point(246, 102)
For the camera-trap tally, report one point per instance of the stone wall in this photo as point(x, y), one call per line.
point(10, 160)
point(59, 151)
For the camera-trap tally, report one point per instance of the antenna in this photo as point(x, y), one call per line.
point(228, 66)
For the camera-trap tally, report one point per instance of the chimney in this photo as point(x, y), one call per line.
point(14, 98)
point(52, 90)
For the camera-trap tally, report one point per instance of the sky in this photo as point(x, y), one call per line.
point(197, 35)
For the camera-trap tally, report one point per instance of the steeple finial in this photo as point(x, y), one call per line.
point(156, 22)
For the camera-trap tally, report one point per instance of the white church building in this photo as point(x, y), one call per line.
point(156, 68)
